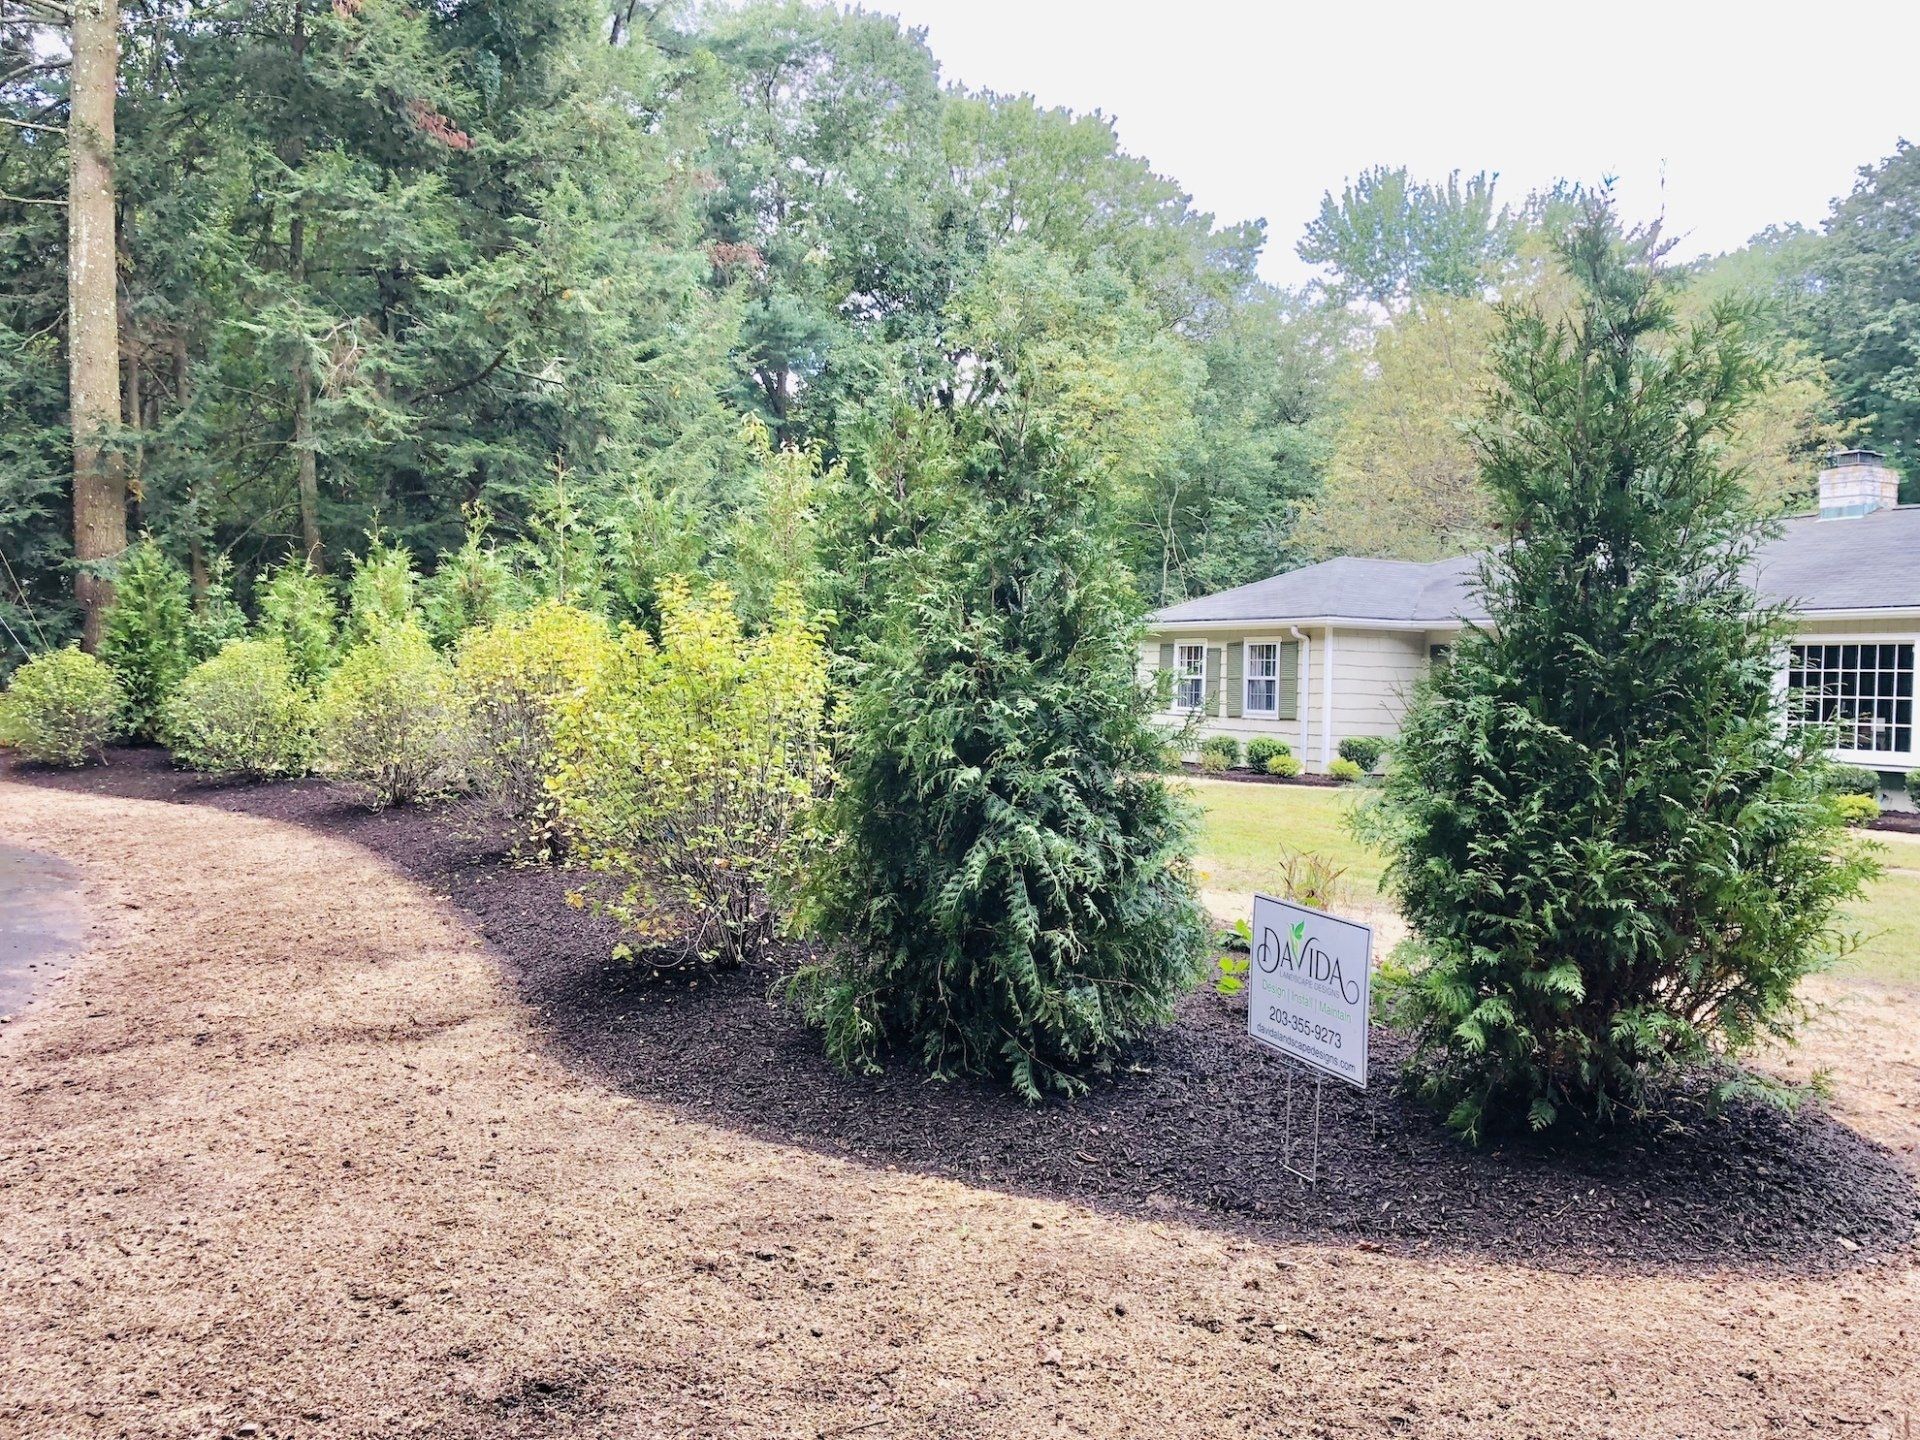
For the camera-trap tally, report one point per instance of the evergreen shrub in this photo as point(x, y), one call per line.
point(1219, 752)
point(297, 609)
point(1853, 780)
point(1857, 809)
point(1286, 765)
point(1364, 751)
point(1345, 771)
point(147, 635)
point(61, 708)
point(1263, 748)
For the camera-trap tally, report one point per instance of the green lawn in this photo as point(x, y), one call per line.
point(1249, 825)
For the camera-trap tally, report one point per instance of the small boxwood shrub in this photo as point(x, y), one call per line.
point(61, 708)
point(147, 635)
point(1853, 780)
point(1345, 771)
point(1857, 809)
point(1285, 765)
point(1219, 752)
point(389, 721)
point(243, 712)
point(1263, 748)
point(1363, 750)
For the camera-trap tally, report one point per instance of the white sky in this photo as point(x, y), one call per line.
point(1729, 117)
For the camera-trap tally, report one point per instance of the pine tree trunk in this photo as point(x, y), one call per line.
point(308, 483)
point(93, 340)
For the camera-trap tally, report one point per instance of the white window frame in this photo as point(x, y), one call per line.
point(1179, 674)
point(1871, 759)
point(1247, 708)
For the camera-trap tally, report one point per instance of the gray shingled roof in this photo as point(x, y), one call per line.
point(1871, 562)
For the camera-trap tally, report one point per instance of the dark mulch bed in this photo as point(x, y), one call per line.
point(1192, 1129)
point(1905, 821)
point(1259, 777)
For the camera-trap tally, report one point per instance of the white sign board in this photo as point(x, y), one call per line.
point(1307, 987)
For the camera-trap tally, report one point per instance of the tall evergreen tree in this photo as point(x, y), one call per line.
point(1616, 855)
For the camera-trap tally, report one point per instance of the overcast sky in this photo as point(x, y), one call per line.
point(1729, 117)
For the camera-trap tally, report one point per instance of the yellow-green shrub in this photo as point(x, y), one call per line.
point(243, 712)
point(1857, 809)
point(1345, 771)
point(1284, 765)
point(61, 708)
point(514, 675)
point(389, 720)
point(690, 770)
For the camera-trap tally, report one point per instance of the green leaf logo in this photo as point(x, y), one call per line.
point(1299, 932)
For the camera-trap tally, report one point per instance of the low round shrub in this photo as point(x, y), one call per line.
point(1853, 780)
point(1219, 752)
point(1345, 771)
point(1363, 750)
point(243, 712)
point(1913, 786)
point(1263, 748)
point(61, 708)
point(1857, 809)
point(389, 721)
point(1286, 766)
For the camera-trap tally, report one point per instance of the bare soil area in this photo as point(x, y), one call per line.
point(295, 1148)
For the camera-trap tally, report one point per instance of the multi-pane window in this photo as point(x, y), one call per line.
point(1263, 678)
point(1864, 693)
point(1189, 675)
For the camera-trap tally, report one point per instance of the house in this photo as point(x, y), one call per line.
point(1332, 650)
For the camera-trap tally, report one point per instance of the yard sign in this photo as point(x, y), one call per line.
point(1307, 987)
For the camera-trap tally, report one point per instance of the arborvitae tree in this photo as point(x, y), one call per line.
point(1614, 851)
point(147, 634)
point(1011, 893)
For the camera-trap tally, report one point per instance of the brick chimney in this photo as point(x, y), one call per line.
point(1856, 482)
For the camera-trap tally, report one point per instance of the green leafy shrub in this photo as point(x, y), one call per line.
point(1857, 809)
point(1345, 771)
point(61, 708)
point(389, 721)
point(1568, 791)
point(1364, 751)
point(1008, 889)
point(298, 610)
point(515, 675)
point(471, 587)
point(1263, 748)
point(1853, 780)
point(243, 712)
point(381, 595)
point(1286, 765)
point(147, 634)
point(691, 771)
point(1219, 752)
point(1913, 785)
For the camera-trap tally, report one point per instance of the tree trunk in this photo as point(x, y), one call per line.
point(93, 339)
point(308, 483)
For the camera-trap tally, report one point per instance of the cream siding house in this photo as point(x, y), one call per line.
point(1334, 649)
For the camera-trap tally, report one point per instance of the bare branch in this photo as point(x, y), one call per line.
point(29, 125)
point(27, 200)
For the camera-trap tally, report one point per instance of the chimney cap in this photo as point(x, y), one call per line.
point(1841, 458)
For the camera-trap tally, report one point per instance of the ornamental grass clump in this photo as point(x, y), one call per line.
point(389, 721)
point(691, 772)
point(515, 675)
point(61, 708)
point(1618, 859)
point(244, 712)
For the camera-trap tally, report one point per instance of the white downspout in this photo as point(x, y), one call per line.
point(1303, 684)
point(1326, 703)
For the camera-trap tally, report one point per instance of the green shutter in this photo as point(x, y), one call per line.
point(1212, 703)
point(1289, 687)
point(1166, 655)
point(1236, 686)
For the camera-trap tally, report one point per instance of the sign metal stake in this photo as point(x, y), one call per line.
point(1289, 1148)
